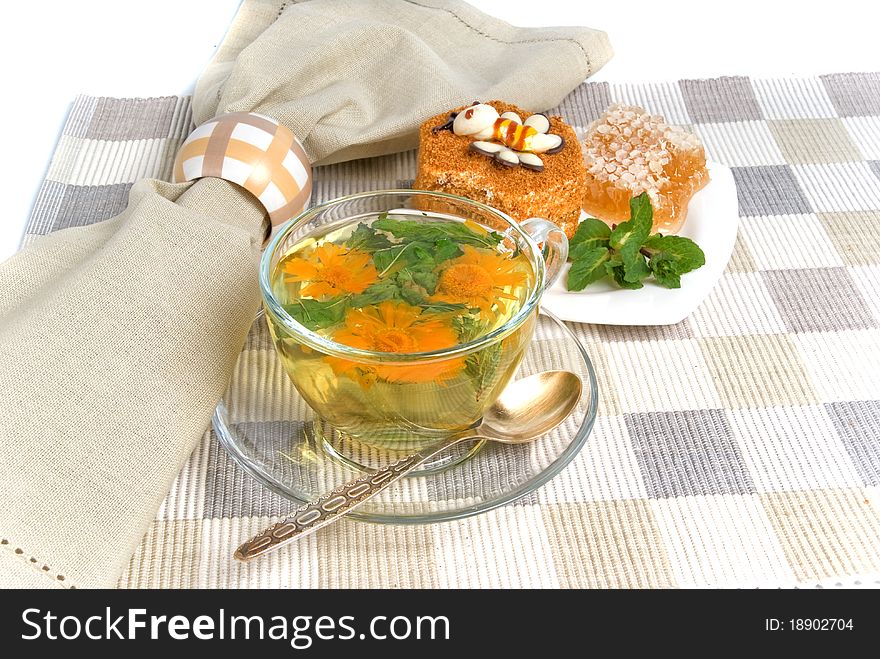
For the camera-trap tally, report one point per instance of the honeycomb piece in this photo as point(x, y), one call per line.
point(627, 152)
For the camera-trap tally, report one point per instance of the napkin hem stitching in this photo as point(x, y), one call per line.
point(32, 562)
point(511, 43)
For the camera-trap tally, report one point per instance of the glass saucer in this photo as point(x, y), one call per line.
point(268, 429)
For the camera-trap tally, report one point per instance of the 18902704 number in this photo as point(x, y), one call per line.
point(820, 624)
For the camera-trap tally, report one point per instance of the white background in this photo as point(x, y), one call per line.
point(53, 50)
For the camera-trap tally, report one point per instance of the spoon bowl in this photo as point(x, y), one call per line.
point(531, 407)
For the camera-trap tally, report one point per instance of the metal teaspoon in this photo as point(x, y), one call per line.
point(526, 410)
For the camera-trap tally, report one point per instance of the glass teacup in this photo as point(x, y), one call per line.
point(392, 394)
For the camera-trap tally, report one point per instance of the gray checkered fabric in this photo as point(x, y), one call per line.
point(740, 447)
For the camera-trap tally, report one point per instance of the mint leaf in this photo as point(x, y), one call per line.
point(445, 307)
point(588, 266)
point(419, 254)
point(315, 314)
point(640, 209)
point(412, 296)
point(590, 233)
point(401, 255)
point(413, 285)
point(378, 292)
point(427, 279)
point(617, 274)
point(629, 236)
point(445, 249)
point(436, 230)
point(635, 269)
point(684, 252)
point(665, 274)
point(616, 269)
point(576, 253)
point(669, 257)
point(596, 251)
point(367, 238)
point(468, 328)
point(480, 366)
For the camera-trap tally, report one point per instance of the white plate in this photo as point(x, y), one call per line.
point(713, 216)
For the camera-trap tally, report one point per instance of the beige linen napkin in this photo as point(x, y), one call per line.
point(118, 339)
point(354, 78)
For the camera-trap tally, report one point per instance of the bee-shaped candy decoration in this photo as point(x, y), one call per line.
point(515, 141)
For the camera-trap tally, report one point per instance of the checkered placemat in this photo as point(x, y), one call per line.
point(740, 447)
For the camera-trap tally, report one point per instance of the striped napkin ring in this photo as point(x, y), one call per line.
point(255, 152)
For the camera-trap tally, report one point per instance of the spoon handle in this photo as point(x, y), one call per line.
point(330, 507)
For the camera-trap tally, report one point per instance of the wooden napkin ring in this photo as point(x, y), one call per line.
point(255, 152)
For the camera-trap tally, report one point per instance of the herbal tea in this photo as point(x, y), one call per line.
point(402, 284)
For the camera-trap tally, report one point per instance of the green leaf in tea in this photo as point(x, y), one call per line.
point(468, 328)
point(445, 249)
point(412, 295)
point(315, 314)
point(396, 257)
point(409, 290)
point(446, 307)
point(437, 230)
point(480, 366)
point(366, 238)
point(427, 279)
point(412, 284)
point(378, 292)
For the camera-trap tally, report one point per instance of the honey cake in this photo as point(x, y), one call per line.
point(550, 184)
